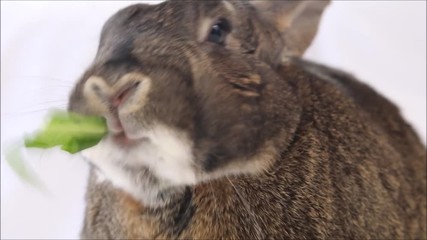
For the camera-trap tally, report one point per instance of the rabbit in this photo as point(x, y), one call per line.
point(219, 128)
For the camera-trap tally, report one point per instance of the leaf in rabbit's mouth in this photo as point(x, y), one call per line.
point(73, 132)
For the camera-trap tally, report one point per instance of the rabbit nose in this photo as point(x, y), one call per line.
point(104, 98)
point(123, 93)
point(96, 88)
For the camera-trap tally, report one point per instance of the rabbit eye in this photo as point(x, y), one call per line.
point(218, 32)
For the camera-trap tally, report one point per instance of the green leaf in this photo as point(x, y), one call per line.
point(16, 162)
point(71, 131)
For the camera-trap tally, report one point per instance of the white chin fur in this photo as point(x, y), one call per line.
point(167, 154)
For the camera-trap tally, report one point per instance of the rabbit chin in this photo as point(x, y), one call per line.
point(162, 159)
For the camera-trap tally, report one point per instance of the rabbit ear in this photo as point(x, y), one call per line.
point(297, 20)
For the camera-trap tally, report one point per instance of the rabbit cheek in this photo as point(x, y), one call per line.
point(168, 154)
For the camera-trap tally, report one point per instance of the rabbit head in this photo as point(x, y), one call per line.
point(190, 93)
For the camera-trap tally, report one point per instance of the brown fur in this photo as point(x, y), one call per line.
point(340, 161)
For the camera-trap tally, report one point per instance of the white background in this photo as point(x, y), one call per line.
point(45, 47)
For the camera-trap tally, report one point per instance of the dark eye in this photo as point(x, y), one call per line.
point(218, 32)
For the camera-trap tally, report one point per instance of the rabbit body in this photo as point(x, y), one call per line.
point(295, 150)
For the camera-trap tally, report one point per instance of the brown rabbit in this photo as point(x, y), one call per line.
point(219, 130)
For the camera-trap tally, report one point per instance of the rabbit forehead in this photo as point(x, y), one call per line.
point(155, 25)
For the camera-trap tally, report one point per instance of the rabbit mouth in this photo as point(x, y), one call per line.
point(167, 153)
point(118, 133)
point(127, 141)
point(122, 139)
point(121, 133)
